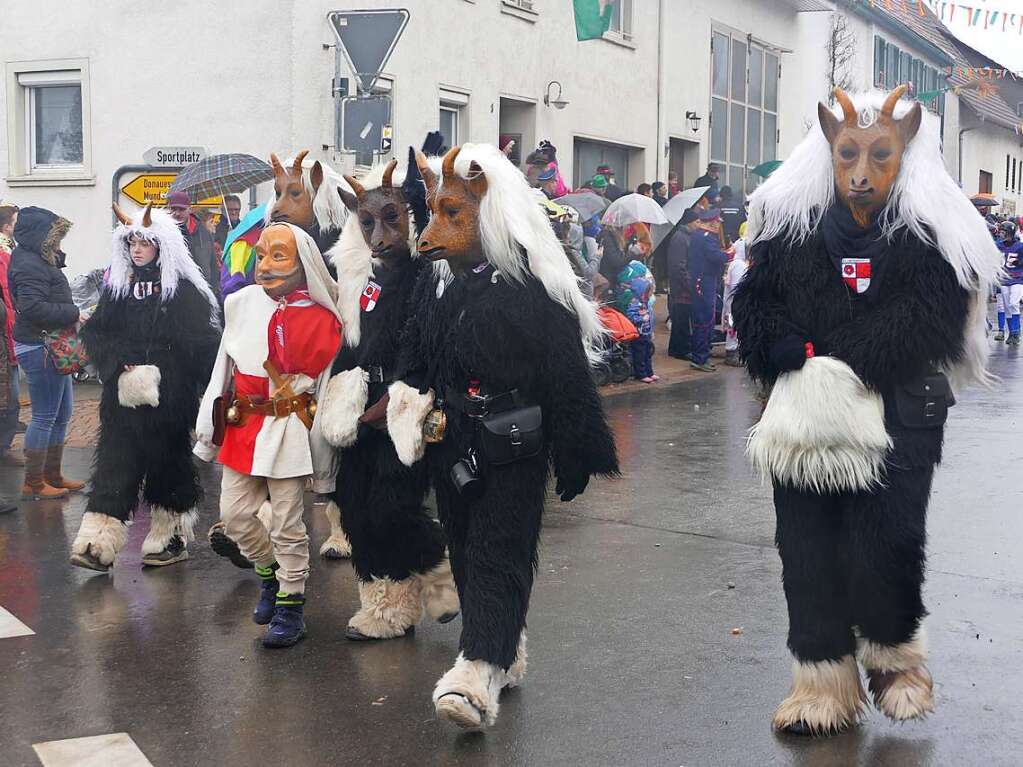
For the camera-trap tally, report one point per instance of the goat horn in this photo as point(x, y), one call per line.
point(278, 168)
point(848, 109)
point(893, 98)
point(121, 215)
point(147, 215)
point(296, 166)
point(388, 173)
point(448, 167)
point(358, 188)
point(429, 177)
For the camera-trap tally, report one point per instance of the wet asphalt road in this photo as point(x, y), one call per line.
point(632, 656)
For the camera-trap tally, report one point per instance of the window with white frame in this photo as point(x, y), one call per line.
point(48, 122)
point(526, 5)
point(452, 118)
point(744, 108)
point(621, 20)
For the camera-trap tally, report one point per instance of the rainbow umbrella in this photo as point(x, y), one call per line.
point(239, 269)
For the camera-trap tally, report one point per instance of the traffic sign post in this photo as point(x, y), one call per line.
point(173, 156)
point(365, 125)
point(153, 186)
point(367, 39)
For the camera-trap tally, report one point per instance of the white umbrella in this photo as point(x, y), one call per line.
point(682, 202)
point(633, 208)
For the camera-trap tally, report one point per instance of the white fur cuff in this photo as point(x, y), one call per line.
point(344, 402)
point(139, 386)
point(104, 535)
point(406, 411)
point(822, 430)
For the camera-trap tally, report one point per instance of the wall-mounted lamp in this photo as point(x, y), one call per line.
point(554, 101)
point(694, 121)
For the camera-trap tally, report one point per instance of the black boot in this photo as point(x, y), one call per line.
point(264, 611)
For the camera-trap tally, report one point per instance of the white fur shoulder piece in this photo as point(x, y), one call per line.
point(139, 386)
point(343, 404)
point(406, 411)
point(822, 430)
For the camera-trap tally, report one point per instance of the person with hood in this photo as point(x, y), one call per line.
point(259, 417)
point(152, 338)
point(197, 237)
point(42, 297)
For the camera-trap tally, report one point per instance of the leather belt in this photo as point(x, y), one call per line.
point(302, 405)
point(482, 405)
point(377, 374)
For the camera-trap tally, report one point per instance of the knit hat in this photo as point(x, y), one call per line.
point(599, 182)
point(178, 200)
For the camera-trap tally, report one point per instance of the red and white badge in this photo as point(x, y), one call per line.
point(370, 296)
point(856, 273)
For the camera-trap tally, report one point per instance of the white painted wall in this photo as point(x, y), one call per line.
point(985, 147)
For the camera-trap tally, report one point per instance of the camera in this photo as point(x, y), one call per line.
point(465, 475)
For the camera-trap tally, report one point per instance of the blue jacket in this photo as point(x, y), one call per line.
point(706, 264)
point(1013, 254)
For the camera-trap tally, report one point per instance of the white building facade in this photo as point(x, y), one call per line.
point(674, 85)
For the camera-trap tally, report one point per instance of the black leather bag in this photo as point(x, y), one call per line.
point(512, 435)
point(924, 402)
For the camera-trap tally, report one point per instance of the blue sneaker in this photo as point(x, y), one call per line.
point(264, 611)
point(288, 625)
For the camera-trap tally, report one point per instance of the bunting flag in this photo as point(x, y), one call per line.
point(975, 15)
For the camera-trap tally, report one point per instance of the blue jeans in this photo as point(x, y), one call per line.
point(9, 417)
point(703, 328)
point(52, 400)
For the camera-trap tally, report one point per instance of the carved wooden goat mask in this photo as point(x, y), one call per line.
point(453, 233)
point(293, 204)
point(383, 216)
point(867, 158)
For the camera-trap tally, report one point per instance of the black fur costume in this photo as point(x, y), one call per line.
point(855, 559)
point(392, 535)
point(149, 446)
point(505, 335)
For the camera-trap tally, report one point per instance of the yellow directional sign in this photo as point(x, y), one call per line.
point(153, 187)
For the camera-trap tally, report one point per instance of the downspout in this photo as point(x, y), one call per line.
point(961, 132)
point(661, 139)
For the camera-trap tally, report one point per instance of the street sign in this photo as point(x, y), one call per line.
point(173, 156)
point(363, 120)
point(386, 139)
point(153, 187)
point(367, 39)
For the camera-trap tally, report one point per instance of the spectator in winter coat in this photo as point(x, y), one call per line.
point(233, 204)
point(634, 297)
point(710, 178)
point(42, 297)
point(732, 214)
point(199, 240)
point(660, 193)
point(706, 266)
point(680, 300)
point(6, 391)
point(9, 414)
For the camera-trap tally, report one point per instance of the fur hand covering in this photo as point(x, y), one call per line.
point(822, 430)
point(139, 386)
point(343, 403)
point(406, 411)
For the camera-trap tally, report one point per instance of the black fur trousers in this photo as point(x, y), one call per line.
point(158, 459)
point(853, 560)
point(492, 542)
point(382, 511)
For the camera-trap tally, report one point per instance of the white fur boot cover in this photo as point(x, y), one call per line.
point(475, 682)
point(440, 595)
point(517, 670)
point(344, 402)
point(827, 696)
point(139, 386)
point(389, 608)
point(164, 525)
point(337, 545)
point(822, 430)
point(104, 535)
point(897, 677)
point(406, 411)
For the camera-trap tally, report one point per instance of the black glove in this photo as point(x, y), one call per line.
point(415, 193)
point(568, 488)
point(433, 145)
point(789, 353)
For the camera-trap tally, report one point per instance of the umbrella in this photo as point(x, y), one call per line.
point(239, 251)
point(984, 200)
point(221, 174)
point(682, 202)
point(586, 204)
point(765, 169)
point(633, 208)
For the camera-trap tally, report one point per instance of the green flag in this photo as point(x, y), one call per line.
point(592, 18)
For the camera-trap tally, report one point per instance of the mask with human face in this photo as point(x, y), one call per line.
point(867, 158)
point(279, 270)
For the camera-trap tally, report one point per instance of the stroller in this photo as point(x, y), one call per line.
point(616, 365)
point(85, 292)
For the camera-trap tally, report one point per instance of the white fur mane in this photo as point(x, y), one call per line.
point(511, 223)
point(175, 261)
point(924, 199)
point(328, 209)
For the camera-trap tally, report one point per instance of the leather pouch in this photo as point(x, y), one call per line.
point(924, 402)
point(512, 435)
